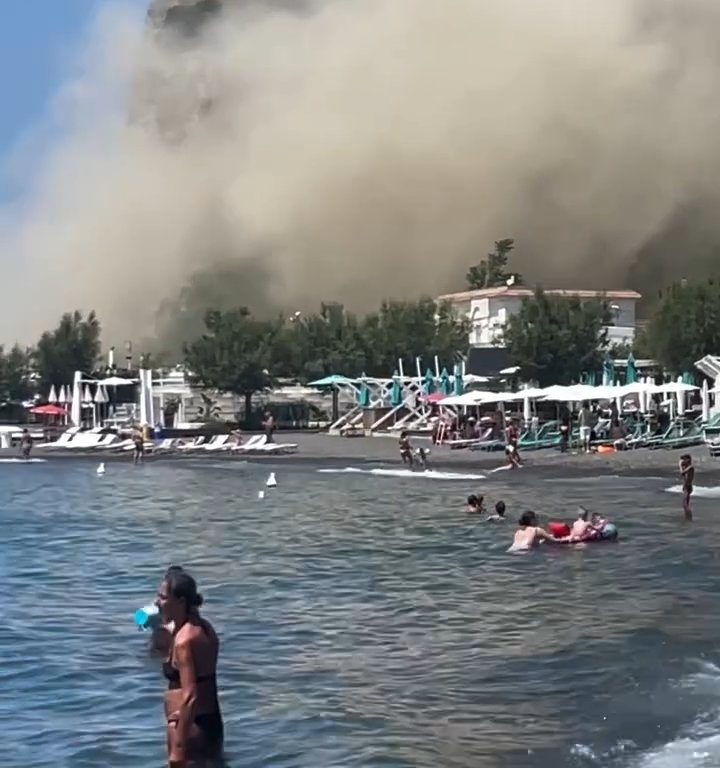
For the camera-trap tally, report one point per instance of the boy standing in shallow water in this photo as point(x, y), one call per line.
point(687, 472)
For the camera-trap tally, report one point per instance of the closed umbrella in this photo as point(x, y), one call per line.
point(364, 393)
point(458, 387)
point(52, 397)
point(631, 370)
point(445, 385)
point(705, 394)
point(396, 391)
point(608, 371)
point(62, 396)
point(429, 382)
point(87, 397)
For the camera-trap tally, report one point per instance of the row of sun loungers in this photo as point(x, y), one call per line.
point(94, 441)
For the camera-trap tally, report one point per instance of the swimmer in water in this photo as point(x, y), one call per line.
point(529, 534)
point(499, 515)
point(598, 522)
point(475, 505)
point(687, 471)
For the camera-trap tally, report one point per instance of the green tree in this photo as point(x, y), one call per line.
point(492, 271)
point(73, 346)
point(15, 375)
point(235, 354)
point(685, 326)
point(409, 329)
point(554, 339)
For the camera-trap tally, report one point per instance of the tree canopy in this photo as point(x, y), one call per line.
point(554, 339)
point(15, 370)
point(685, 325)
point(492, 271)
point(73, 346)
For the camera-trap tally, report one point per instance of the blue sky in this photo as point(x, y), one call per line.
point(38, 39)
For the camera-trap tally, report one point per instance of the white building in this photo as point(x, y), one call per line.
point(490, 308)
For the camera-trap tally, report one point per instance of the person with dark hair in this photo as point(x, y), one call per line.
point(529, 534)
point(162, 634)
point(474, 505)
point(499, 515)
point(687, 472)
point(192, 709)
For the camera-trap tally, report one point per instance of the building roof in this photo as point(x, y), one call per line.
point(523, 293)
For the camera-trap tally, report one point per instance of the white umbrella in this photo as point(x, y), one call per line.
point(469, 398)
point(100, 396)
point(52, 397)
point(62, 397)
point(705, 401)
point(87, 397)
point(470, 378)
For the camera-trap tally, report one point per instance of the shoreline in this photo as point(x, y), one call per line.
point(325, 451)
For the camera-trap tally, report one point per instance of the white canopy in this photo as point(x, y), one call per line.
point(672, 388)
point(469, 398)
point(116, 381)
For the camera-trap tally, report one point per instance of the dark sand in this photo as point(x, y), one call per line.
point(325, 451)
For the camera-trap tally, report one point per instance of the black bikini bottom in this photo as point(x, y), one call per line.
point(211, 727)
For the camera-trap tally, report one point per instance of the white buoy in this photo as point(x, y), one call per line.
point(271, 481)
point(261, 494)
point(101, 468)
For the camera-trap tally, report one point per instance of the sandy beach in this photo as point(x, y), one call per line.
point(324, 450)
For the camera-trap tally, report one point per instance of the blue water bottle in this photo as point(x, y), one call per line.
point(148, 617)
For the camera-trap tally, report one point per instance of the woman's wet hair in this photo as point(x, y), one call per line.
point(527, 518)
point(173, 569)
point(472, 500)
point(182, 586)
point(500, 507)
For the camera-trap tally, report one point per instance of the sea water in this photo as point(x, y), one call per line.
point(365, 620)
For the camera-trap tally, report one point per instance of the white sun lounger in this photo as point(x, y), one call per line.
point(261, 447)
point(252, 442)
point(217, 443)
point(198, 442)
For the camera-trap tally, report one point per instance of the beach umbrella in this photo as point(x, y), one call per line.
point(458, 386)
point(396, 391)
point(608, 371)
point(62, 396)
point(687, 378)
point(331, 381)
point(588, 378)
point(117, 381)
point(428, 382)
point(87, 397)
point(705, 394)
point(445, 385)
point(680, 395)
point(527, 409)
point(100, 396)
point(48, 410)
point(631, 370)
point(52, 397)
point(364, 393)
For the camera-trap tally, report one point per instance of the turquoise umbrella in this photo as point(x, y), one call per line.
point(331, 381)
point(364, 394)
point(429, 382)
point(458, 387)
point(631, 370)
point(396, 391)
point(588, 378)
point(445, 385)
point(608, 371)
point(688, 378)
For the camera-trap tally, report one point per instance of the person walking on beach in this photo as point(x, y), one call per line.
point(585, 422)
point(139, 446)
point(687, 472)
point(26, 444)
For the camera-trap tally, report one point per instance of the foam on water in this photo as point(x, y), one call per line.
point(23, 461)
point(701, 491)
point(428, 474)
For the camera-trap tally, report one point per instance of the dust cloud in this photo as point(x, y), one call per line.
point(359, 149)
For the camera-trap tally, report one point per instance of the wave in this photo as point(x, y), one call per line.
point(23, 461)
point(702, 491)
point(428, 474)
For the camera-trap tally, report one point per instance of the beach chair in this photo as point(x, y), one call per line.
point(198, 442)
point(252, 442)
point(218, 443)
point(682, 434)
point(548, 436)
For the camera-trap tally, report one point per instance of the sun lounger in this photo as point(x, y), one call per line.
point(217, 443)
point(681, 434)
point(259, 446)
point(252, 442)
point(198, 442)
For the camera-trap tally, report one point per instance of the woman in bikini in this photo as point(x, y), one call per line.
point(192, 709)
point(529, 534)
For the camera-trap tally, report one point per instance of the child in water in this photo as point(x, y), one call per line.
point(474, 505)
point(499, 515)
point(687, 471)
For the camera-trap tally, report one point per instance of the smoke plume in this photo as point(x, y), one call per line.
point(359, 149)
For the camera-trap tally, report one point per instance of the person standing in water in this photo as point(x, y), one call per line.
point(529, 534)
point(192, 710)
point(139, 446)
point(269, 427)
point(499, 515)
point(687, 472)
point(406, 453)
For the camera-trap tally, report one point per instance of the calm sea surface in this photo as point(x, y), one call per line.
point(365, 621)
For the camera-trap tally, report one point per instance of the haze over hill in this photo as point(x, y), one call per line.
point(355, 149)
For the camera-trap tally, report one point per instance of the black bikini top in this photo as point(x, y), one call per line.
point(173, 676)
